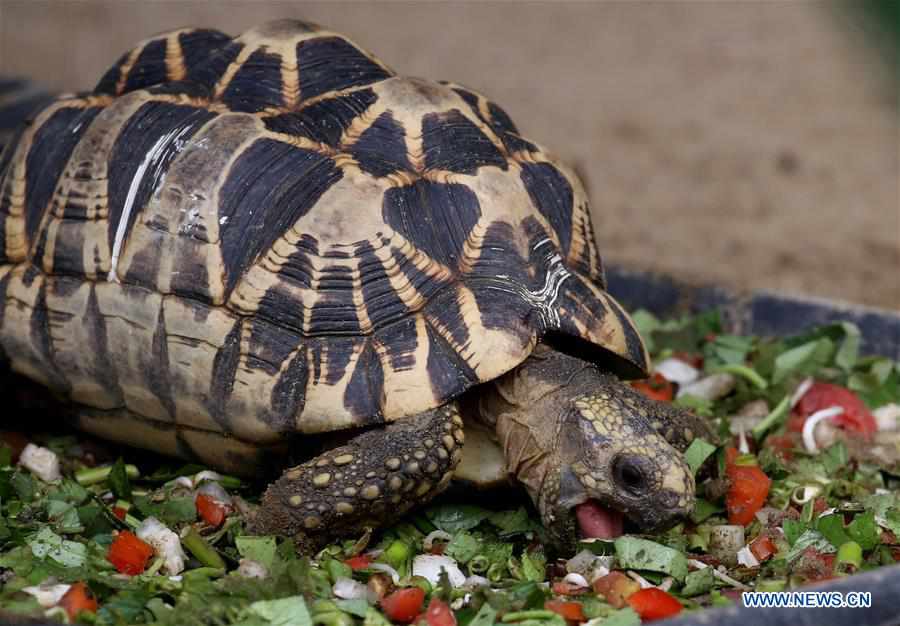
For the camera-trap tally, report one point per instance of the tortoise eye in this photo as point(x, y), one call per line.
point(629, 475)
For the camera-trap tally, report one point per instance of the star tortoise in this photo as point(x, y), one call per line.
point(232, 247)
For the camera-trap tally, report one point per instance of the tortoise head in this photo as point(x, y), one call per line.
point(586, 448)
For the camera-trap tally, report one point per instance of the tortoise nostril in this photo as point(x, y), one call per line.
point(629, 475)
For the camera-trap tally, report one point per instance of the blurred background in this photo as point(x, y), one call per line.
point(751, 144)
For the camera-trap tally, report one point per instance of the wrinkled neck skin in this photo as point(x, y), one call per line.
point(567, 430)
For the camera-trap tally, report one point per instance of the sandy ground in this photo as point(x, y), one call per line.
point(755, 144)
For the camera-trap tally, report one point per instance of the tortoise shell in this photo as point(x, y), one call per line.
point(276, 233)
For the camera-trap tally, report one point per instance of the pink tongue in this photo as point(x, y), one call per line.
point(597, 521)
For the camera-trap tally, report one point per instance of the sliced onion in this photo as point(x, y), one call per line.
point(643, 582)
point(712, 387)
point(474, 581)
point(387, 569)
point(429, 566)
point(428, 542)
point(576, 579)
point(165, 544)
point(207, 475)
point(249, 568)
point(47, 595)
point(746, 557)
point(582, 562)
point(677, 371)
point(801, 390)
point(349, 589)
point(183, 481)
point(743, 446)
point(887, 417)
point(215, 491)
point(808, 493)
point(666, 583)
point(809, 426)
point(42, 462)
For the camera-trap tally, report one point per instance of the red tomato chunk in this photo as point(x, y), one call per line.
point(656, 387)
point(403, 605)
point(77, 599)
point(856, 417)
point(212, 511)
point(616, 587)
point(653, 604)
point(571, 611)
point(439, 614)
point(748, 491)
point(129, 554)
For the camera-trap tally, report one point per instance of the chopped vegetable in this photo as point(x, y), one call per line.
point(212, 511)
point(855, 416)
point(763, 548)
point(403, 605)
point(77, 599)
point(616, 587)
point(653, 604)
point(748, 491)
point(359, 562)
point(656, 388)
point(571, 611)
point(439, 613)
point(128, 554)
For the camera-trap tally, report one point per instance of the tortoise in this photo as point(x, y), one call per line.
point(274, 250)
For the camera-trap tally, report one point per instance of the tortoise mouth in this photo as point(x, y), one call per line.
point(597, 521)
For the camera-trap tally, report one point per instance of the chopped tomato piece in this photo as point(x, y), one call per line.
point(77, 599)
point(211, 510)
point(439, 614)
point(656, 387)
point(563, 588)
point(763, 548)
point(782, 445)
point(748, 490)
point(616, 587)
point(815, 566)
point(571, 611)
point(691, 358)
point(359, 562)
point(856, 417)
point(119, 512)
point(403, 605)
point(129, 554)
point(652, 604)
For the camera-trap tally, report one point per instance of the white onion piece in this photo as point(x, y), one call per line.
point(725, 578)
point(429, 566)
point(581, 563)
point(746, 557)
point(887, 417)
point(42, 462)
point(643, 582)
point(47, 595)
point(711, 387)
point(677, 371)
point(809, 426)
point(743, 446)
point(599, 572)
point(474, 582)
point(165, 544)
point(697, 564)
point(576, 579)
point(801, 390)
point(387, 569)
point(206, 475)
point(349, 589)
point(666, 583)
point(803, 494)
point(428, 542)
point(460, 602)
point(183, 481)
point(215, 491)
point(248, 568)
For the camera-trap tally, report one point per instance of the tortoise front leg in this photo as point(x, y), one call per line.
point(373, 479)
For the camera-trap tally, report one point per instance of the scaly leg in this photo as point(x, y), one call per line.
point(373, 479)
